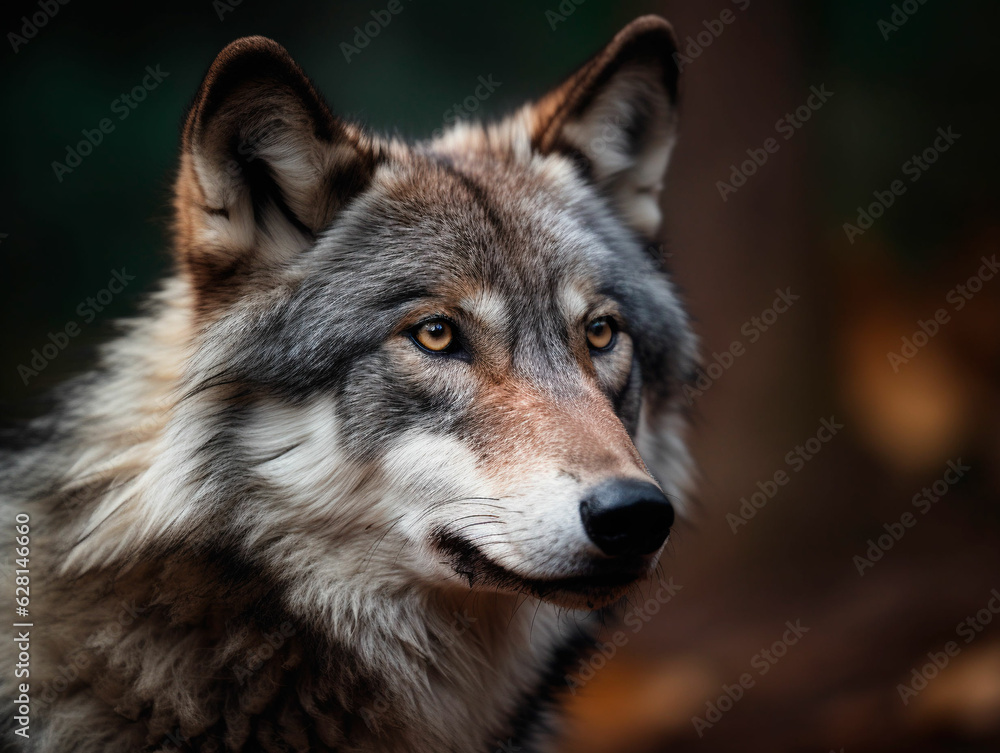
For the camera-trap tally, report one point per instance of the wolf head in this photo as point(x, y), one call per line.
point(448, 364)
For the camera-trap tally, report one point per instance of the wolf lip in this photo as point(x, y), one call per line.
point(593, 581)
point(471, 563)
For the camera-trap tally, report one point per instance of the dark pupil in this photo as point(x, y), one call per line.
point(597, 328)
point(436, 331)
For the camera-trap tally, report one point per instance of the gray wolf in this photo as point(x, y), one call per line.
point(403, 416)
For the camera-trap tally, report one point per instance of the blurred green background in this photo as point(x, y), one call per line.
point(61, 241)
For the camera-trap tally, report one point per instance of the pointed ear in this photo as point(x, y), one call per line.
point(265, 166)
point(618, 115)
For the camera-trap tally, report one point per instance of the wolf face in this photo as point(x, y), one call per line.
point(429, 363)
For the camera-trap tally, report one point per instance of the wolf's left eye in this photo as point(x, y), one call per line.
point(436, 336)
point(601, 333)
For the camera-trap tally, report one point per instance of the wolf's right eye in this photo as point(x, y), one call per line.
point(436, 336)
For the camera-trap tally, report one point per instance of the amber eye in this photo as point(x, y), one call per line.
point(436, 335)
point(601, 333)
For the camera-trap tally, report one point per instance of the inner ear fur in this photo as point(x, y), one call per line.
point(617, 115)
point(265, 165)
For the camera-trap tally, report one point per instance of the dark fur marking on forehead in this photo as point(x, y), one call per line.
point(476, 191)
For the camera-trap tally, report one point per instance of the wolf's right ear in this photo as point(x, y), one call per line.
point(265, 166)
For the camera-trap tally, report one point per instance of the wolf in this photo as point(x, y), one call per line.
point(402, 419)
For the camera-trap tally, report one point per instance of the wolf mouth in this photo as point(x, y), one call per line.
point(601, 583)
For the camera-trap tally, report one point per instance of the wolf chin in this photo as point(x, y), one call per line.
point(403, 416)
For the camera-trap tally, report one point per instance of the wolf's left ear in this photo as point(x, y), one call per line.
point(265, 166)
point(618, 114)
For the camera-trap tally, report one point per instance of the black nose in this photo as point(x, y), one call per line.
point(627, 517)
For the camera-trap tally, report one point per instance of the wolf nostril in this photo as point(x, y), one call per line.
point(627, 516)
